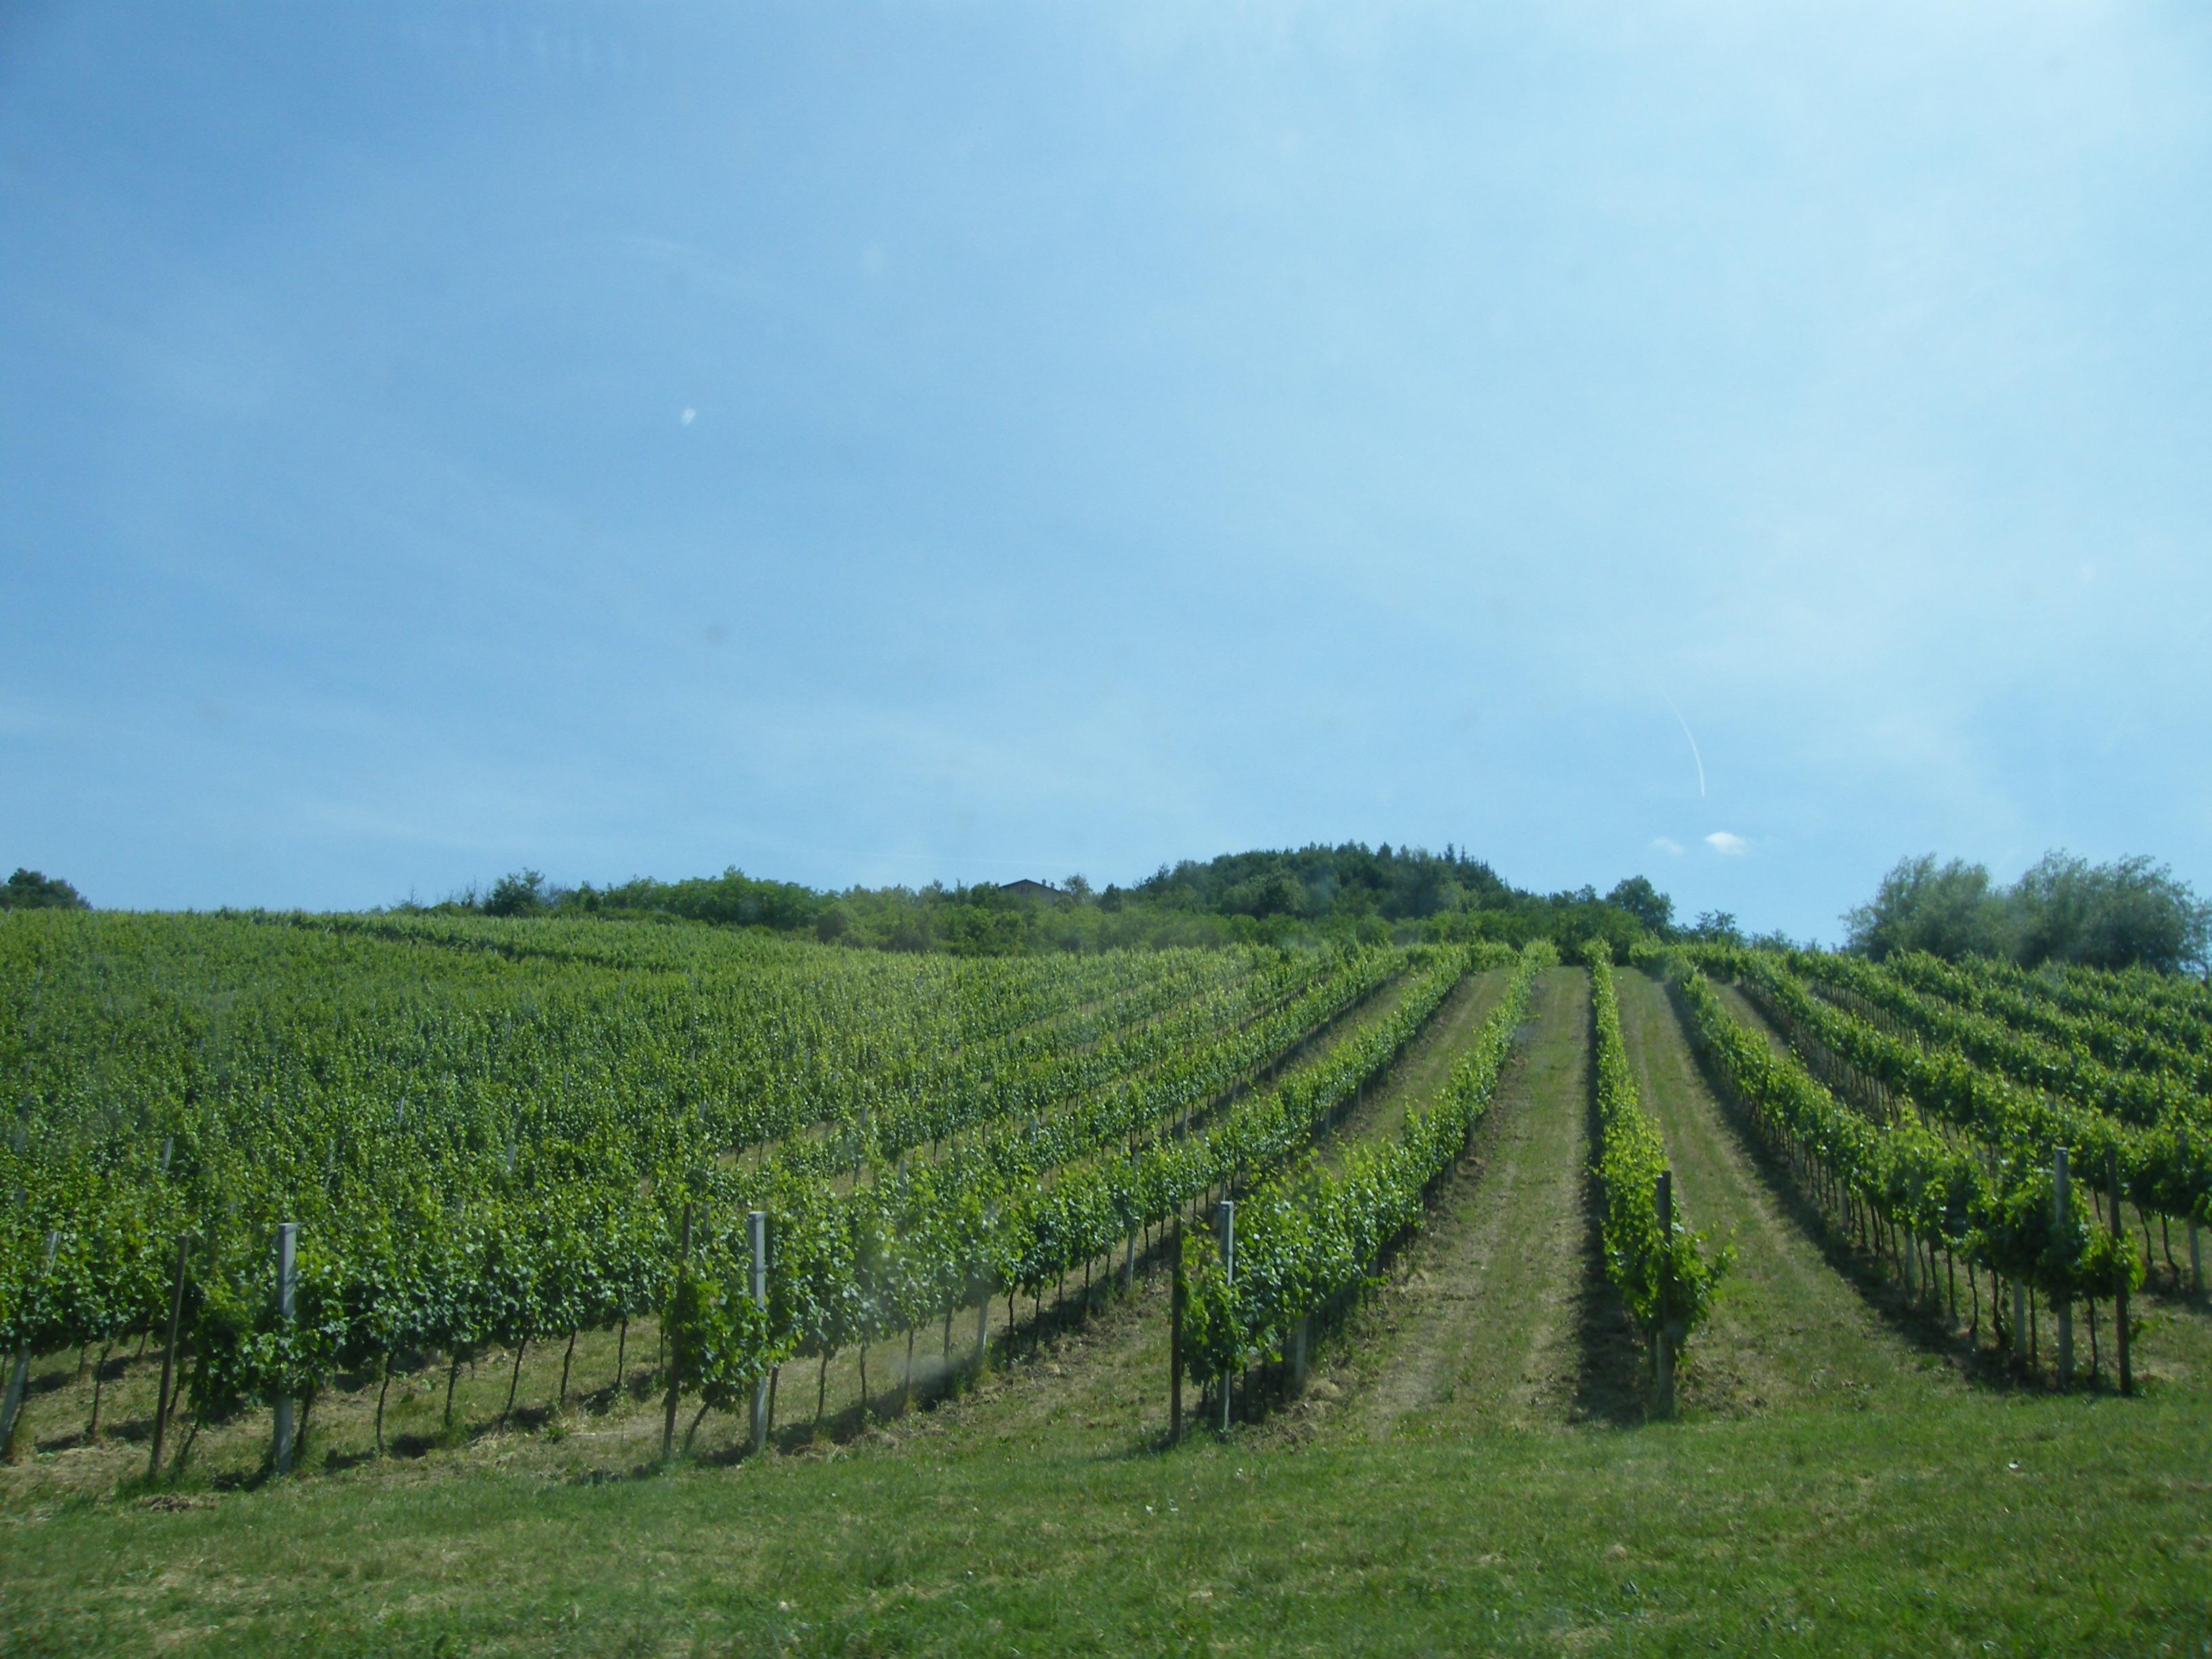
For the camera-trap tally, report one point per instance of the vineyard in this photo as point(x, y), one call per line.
point(294, 1200)
point(348, 1146)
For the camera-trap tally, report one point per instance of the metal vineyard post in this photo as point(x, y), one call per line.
point(1228, 1278)
point(1174, 1338)
point(1664, 1354)
point(287, 1244)
point(676, 1345)
point(2120, 1283)
point(756, 1236)
point(2061, 1202)
point(169, 1356)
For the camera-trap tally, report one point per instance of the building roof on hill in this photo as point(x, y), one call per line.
point(1028, 888)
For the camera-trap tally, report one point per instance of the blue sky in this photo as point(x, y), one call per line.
point(869, 444)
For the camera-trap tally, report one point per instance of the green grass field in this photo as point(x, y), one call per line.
point(2015, 1526)
point(1471, 1469)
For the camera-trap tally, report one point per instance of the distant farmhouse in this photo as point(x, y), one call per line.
point(1027, 889)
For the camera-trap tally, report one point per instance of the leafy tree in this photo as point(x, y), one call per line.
point(1277, 892)
point(2132, 912)
point(1948, 910)
point(26, 889)
point(1645, 902)
point(733, 898)
point(1716, 927)
point(520, 894)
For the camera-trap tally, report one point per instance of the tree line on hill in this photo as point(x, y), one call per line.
point(2132, 912)
point(1348, 892)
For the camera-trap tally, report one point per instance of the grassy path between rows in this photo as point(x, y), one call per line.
point(1483, 1328)
point(1787, 1329)
point(1423, 1070)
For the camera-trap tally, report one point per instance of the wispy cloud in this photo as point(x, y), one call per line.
point(1728, 846)
point(1667, 845)
point(1694, 754)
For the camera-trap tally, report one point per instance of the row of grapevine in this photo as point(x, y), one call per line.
point(589, 1242)
point(131, 1034)
point(1942, 1007)
point(885, 1258)
point(1900, 1188)
point(2123, 1023)
point(2181, 1008)
point(2166, 1169)
point(1663, 1271)
point(1171, 1072)
point(231, 1167)
point(1310, 1236)
point(930, 1240)
point(1089, 1205)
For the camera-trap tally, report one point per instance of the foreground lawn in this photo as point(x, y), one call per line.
point(1995, 1524)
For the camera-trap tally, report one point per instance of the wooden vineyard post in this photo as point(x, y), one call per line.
point(1229, 1278)
point(1129, 1263)
point(676, 1342)
point(756, 1236)
point(19, 1374)
point(2120, 1285)
point(1175, 1337)
point(982, 1327)
point(2062, 1198)
point(2195, 1259)
point(169, 1356)
point(288, 1252)
point(1663, 1352)
point(1300, 1335)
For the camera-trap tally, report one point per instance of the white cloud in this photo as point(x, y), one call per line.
point(1728, 846)
point(1667, 845)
